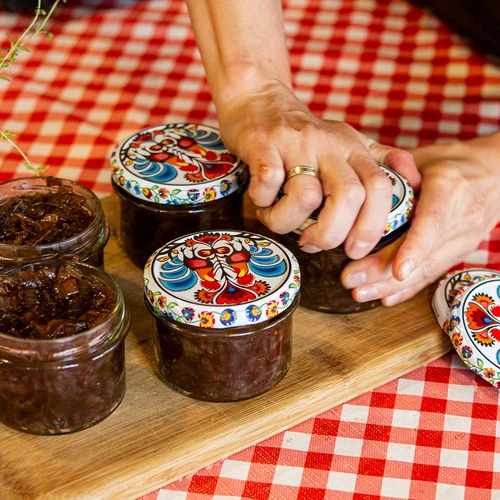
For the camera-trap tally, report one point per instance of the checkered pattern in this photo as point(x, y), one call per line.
point(386, 67)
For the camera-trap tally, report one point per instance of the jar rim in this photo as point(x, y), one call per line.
point(63, 244)
point(65, 347)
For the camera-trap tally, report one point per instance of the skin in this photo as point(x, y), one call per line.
point(242, 44)
point(459, 205)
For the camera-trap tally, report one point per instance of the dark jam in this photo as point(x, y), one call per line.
point(145, 227)
point(43, 218)
point(62, 358)
point(50, 303)
point(220, 365)
point(321, 289)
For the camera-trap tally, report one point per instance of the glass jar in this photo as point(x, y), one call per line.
point(88, 245)
point(321, 287)
point(172, 180)
point(222, 304)
point(66, 384)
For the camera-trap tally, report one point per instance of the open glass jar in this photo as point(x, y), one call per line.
point(63, 374)
point(172, 180)
point(46, 218)
point(321, 286)
point(222, 304)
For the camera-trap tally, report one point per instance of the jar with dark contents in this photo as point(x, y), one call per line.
point(222, 303)
point(46, 218)
point(321, 286)
point(172, 180)
point(62, 349)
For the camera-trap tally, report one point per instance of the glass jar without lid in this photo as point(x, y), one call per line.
point(172, 180)
point(66, 374)
point(46, 218)
point(223, 303)
point(321, 286)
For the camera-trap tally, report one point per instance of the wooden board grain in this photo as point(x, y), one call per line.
point(157, 435)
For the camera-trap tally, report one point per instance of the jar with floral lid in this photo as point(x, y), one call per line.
point(62, 349)
point(321, 286)
point(172, 180)
point(46, 218)
point(222, 303)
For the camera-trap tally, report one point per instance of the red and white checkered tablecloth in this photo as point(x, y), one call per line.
point(384, 66)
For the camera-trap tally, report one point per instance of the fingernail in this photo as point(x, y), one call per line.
point(366, 293)
point(309, 248)
point(353, 280)
point(405, 269)
point(358, 248)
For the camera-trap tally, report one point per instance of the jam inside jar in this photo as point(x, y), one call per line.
point(172, 180)
point(321, 286)
point(62, 349)
point(46, 218)
point(223, 304)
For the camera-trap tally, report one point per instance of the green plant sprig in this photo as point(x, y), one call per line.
point(36, 27)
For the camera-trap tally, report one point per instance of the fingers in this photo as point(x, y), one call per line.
point(266, 176)
point(344, 196)
point(399, 160)
point(372, 218)
point(303, 195)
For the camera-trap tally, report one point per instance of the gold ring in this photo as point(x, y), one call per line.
point(301, 170)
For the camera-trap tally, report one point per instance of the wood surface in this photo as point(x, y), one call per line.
point(156, 435)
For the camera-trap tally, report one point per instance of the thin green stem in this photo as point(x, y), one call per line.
point(3, 135)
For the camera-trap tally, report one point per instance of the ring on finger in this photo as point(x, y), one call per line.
point(301, 170)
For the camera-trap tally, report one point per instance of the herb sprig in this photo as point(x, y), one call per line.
point(37, 27)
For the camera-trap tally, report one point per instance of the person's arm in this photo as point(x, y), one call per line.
point(459, 205)
point(242, 43)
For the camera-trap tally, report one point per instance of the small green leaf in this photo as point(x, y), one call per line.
point(480, 363)
point(175, 191)
point(24, 49)
point(292, 285)
point(4, 78)
point(170, 305)
point(49, 35)
point(156, 199)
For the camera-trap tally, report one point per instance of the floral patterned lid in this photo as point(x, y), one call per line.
point(450, 287)
point(176, 164)
point(221, 279)
point(475, 334)
point(402, 204)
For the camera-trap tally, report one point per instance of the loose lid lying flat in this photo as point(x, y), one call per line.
point(221, 279)
point(177, 164)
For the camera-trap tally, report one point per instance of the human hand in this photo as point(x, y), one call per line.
point(272, 131)
point(459, 205)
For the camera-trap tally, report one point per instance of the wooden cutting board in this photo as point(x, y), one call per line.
point(157, 435)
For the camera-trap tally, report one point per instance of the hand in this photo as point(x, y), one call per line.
point(272, 131)
point(459, 205)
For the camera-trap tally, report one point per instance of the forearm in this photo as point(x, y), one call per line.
point(242, 44)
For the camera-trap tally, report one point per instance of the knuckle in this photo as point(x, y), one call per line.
point(429, 270)
point(354, 192)
point(310, 199)
point(379, 182)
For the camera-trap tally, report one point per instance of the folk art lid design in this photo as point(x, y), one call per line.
point(402, 204)
point(475, 334)
point(177, 164)
point(221, 279)
point(444, 301)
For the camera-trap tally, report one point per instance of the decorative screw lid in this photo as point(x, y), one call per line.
point(402, 204)
point(444, 301)
point(221, 279)
point(476, 330)
point(177, 164)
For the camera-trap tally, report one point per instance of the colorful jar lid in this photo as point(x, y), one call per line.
point(177, 164)
point(221, 279)
point(450, 287)
point(475, 334)
point(402, 204)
